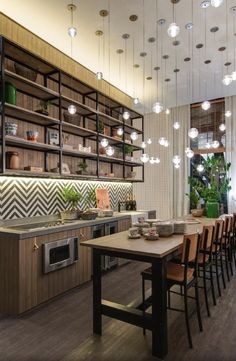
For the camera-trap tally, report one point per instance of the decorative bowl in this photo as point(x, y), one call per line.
point(197, 212)
point(88, 216)
point(32, 135)
point(165, 229)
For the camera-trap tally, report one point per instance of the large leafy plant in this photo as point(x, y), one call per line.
point(71, 196)
point(215, 182)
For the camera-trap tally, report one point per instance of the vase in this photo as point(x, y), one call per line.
point(10, 93)
point(212, 209)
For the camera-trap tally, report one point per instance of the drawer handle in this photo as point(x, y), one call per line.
point(36, 247)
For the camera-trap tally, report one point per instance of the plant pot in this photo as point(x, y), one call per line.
point(212, 209)
point(69, 215)
point(10, 93)
point(25, 72)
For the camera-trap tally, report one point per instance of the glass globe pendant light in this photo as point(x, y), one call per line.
point(157, 107)
point(71, 109)
point(162, 141)
point(233, 75)
point(190, 153)
point(136, 101)
point(215, 144)
point(110, 151)
point(134, 136)
point(227, 80)
point(104, 142)
point(72, 31)
point(222, 127)
point(176, 160)
point(167, 111)
point(152, 160)
point(228, 114)
point(149, 141)
point(176, 125)
point(99, 75)
point(206, 105)
point(173, 30)
point(126, 115)
point(143, 145)
point(193, 133)
point(144, 158)
point(200, 168)
point(157, 160)
point(216, 3)
point(166, 144)
point(120, 131)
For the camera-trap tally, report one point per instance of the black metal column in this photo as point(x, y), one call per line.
point(159, 309)
point(97, 293)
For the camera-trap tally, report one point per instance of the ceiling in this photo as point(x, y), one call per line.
point(195, 80)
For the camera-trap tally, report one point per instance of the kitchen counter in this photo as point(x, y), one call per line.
point(7, 232)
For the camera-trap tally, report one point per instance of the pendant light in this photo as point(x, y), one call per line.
point(193, 133)
point(173, 29)
point(143, 145)
point(176, 159)
point(157, 106)
point(135, 67)
point(222, 127)
point(120, 131)
point(176, 124)
point(208, 145)
point(134, 136)
point(189, 152)
point(110, 151)
point(152, 160)
point(99, 34)
point(167, 111)
point(72, 109)
point(72, 31)
point(126, 113)
point(149, 141)
point(227, 79)
point(104, 142)
point(200, 168)
point(228, 114)
point(215, 144)
point(216, 3)
point(144, 158)
point(206, 104)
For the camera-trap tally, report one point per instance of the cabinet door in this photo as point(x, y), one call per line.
point(124, 224)
point(84, 262)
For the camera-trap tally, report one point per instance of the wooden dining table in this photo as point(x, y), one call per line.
point(157, 254)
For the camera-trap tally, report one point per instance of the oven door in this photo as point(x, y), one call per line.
point(59, 254)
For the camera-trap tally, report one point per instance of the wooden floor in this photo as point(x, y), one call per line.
point(62, 329)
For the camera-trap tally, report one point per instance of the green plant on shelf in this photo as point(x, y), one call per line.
point(100, 126)
point(44, 105)
point(82, 168)
point(128, 149)
point(72, 197)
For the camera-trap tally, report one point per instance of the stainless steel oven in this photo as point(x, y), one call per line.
point(59, 254)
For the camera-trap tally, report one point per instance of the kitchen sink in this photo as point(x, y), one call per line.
point(32, 226)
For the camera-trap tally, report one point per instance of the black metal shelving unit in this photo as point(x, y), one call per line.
point(92, 106)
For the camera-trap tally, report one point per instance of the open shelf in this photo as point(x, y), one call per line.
point(93, 107)
point(30, 88)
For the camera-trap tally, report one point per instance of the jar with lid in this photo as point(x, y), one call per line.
point(12, 160)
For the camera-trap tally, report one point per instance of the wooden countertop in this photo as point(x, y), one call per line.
point(160, 248)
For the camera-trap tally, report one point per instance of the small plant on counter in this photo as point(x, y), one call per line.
point(72, 197)
point(90, 199)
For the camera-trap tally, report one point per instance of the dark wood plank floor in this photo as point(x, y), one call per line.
point(62, 329)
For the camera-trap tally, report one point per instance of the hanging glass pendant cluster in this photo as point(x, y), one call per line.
point(173, 29)
point(214, 3)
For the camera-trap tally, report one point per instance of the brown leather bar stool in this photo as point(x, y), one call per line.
point(205, 262)
point(227, 244)
point(185, 275)
point(217, 253)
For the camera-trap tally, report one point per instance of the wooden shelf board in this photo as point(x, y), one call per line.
point(108, 159)
point(17, 173)
point(82, 109)
point(29, 87)
point(133, 164)
point(76, 130)
point(23, 143)
point(76, 153)
point(16, 112)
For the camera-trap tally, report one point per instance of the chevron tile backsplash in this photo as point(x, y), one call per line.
point(24, 197)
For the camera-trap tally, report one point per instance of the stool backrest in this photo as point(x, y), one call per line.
point(207, 238)
point(190, 248)
point(228, 220)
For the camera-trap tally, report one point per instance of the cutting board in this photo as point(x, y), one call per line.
point(103, 199)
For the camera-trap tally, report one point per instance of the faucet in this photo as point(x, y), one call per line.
point(119, 204)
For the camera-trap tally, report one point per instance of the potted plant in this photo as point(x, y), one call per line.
point(128, 149)
point(44, 104)
point(100, 126)
point(195, 205)
point(90, 203)
point(82, 168)
point(72, 197)
point(215, 185)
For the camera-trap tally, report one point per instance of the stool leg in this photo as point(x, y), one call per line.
point(227, 262)
point(205, 289)
point(231, 259)
point(143, 295)
point(212, 286)
point(187, 318)
point(222, 270)
point(217, 275)
point(198, 307)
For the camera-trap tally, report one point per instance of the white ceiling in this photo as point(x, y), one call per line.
point(50, 19)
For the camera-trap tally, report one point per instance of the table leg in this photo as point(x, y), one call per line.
point(159, 309)
point(97, 293)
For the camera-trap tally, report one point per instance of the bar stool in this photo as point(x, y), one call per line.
point(205, 262)
point(217, 253)
point(184, 275)
point(227, 244)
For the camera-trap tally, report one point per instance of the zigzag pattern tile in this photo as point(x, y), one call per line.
point(25, 197)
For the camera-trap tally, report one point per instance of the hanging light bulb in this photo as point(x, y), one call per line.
point(206, 105)
point(166, 144)
point(215, 144)
point(136, 101)
point(72, 109)
point(157, 108)
point(208, 146)
point(173, 30)
point(144, 158)
point(193, 133)
point(228, 114)
point(120, 131)
point(143, 145)
point(227, 80)
point(190, 153)
point(222, 127)
point(126, 115)
point(216, 3)
point(149, 141)
point(200, 168)
point(72, 31)
point(233, 75)
point(104, 142)
point(110, 151)
point(134, 135)
point(162, 141)
point(157, 160)
point(99, 75)
point(176, 125)
point(176, 159)
point(167, 111)
point(152, 160)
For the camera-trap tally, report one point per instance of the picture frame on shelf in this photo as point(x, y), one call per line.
point(53, 137)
